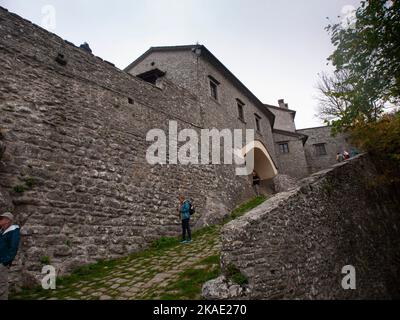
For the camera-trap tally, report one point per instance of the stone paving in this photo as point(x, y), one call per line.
point(168, 270)
point(139, 277)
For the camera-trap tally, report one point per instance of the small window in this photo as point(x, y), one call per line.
point(214, 90)
point(240, 106)
point(320, 149)
point(214, 83)
point(284, 147)
point(258, 123)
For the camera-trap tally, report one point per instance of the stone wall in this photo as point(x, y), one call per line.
point(284, 118)
point(333, 145)
point(180, 67)
point(74, 163)
point(295, 245)
point(293, 163)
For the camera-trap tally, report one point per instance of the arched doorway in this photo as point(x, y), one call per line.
point(263, 164)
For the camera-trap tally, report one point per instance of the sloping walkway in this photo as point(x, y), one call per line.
point(168, 270)
point(150, 275)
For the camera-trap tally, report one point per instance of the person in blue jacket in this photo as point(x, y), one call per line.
point(9, 243)
point(184, 212)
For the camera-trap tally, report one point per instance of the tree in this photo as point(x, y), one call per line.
point(381, 139)
point(367, 63)
point(332, 106)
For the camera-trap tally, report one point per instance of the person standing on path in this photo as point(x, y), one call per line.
point(184, 213)
point(256, 183)
point(9, 243)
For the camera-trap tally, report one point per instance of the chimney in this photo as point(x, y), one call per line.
point(282, 104)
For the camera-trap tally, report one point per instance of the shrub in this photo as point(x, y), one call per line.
point(381, 139)
point(45, 260)
point(19, 189)
point(234, 274)
point(29, 182)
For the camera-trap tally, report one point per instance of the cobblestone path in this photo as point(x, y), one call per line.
point(161, 274)
point(167, 270)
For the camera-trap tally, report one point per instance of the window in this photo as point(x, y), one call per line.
point(214, 87)
point(320, 149)
point(240, 106)
point(151, 76)
point(258, 123)
point(214, 90)
point(284, 147)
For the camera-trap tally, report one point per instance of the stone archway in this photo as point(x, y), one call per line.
point(263, 164)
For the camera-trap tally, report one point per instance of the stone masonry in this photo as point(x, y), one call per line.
point(74, 130)
point(295, 245)
point(333, 145)
point(73, 144)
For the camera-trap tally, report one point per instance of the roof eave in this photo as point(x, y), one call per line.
point(153, 49)
point(217, 63)
point(301, 136)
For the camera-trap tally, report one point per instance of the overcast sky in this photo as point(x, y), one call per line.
point(276, 48)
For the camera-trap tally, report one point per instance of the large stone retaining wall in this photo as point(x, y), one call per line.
point(73, 145)
point(295, 245)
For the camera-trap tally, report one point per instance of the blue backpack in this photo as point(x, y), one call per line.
point(192, 208)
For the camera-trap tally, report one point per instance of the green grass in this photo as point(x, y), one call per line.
point(30, 182)
point(244, 208)
point(165, 243)
point(19, 189)
point(234, 274)
point(45, 260)
point(188, 285)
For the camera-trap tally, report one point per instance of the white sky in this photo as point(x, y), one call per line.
point(276, 48)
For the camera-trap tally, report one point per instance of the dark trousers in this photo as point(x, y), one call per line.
point(186, 228)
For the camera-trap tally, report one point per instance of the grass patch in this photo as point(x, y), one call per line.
point(210, 260)
point(165, 243)
point(206, 230)
point(246, 207)
point(19, 189)
point(190, 281)
point(189, 284)
point(29, 184)
point(45, 260)
point(234, 274)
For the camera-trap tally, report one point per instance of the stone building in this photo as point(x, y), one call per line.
point(73, 145)
point(321, 147)
point(225, 102)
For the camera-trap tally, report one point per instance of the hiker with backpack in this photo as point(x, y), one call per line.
point(186, 209)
